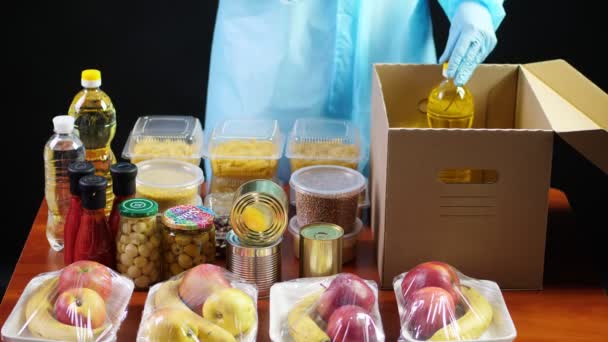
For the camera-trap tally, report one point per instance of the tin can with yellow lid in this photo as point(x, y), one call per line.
point(259, 212)
point(320, 249)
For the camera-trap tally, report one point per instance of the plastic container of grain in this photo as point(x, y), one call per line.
point(169, 182)
point(314, 141)
point(165, 136)
point(327, 193)
point(245, 149)
point(349, 241)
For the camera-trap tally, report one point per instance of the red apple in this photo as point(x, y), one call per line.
point(80, 307)
point(345, 289)
point(350, 323)
point(429, 309)
point(433, 273)
point(199, 283)
point(89, 274)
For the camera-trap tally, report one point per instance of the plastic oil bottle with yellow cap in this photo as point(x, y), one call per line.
point(96, 125)
point(451, 106)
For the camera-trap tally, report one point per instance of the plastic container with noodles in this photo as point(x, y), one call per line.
point(315, 141)
point(165, 136)
point(169, 182)
point(245, 149)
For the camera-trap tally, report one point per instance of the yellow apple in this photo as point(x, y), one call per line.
point(231, 309)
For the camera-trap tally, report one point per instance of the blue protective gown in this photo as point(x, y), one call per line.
point(285, 60)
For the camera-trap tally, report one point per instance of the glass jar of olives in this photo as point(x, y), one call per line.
point(138, 242)
point(188, 238)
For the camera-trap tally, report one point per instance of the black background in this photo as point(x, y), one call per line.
point(154, 58)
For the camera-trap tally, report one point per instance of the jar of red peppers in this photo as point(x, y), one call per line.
point(138, 242)
point(94, 240)
point(188, 238)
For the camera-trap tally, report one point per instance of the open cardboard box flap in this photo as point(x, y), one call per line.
point(576, 108)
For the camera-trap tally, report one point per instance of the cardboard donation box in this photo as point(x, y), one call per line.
point(490, 224)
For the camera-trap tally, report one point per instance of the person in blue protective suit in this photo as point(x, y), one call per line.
point(280, 59)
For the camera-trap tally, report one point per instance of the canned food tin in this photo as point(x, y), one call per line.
point(259, 265)
point(320, 250)
point(259, 212)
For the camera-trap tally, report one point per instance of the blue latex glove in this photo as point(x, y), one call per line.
point(470, 41)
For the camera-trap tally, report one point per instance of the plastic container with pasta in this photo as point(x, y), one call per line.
point(164, 136)
point(323, 142)
point(245, 149)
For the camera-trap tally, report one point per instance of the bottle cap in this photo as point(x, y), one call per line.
point(123, 178)
point(63, 124)
point(77, 170)
point(93, 192)
point(138, 207)
point(90, 78)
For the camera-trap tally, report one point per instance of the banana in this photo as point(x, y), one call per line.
point(302, 327)
point(167, 297)
point(473, 323)
point(41, 322)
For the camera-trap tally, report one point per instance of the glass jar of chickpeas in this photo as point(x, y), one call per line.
point(188, 238)
point(138, 243)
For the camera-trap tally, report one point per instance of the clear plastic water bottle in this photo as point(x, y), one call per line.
point(62, 149)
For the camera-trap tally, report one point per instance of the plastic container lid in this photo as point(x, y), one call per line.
point(138, 207)
point(338, 133)
point(265, 132)
point(188, 217)
point(165, 136)
point(168, 173)
point(327, 181)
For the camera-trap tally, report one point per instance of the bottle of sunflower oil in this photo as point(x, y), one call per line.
point(451, 106)
point(96, 125)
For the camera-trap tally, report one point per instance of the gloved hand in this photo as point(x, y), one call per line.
point(470, 41)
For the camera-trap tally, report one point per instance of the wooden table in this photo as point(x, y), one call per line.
point(558, 313)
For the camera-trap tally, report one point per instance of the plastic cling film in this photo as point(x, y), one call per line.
point(438, 303)
point(85, 301)
point(206, 303)
point(340, 308)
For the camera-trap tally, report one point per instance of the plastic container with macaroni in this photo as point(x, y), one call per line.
point(245, 149)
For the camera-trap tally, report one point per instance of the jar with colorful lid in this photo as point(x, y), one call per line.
point(138, 242)
point(188, 238)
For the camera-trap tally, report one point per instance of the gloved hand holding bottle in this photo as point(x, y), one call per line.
point(471, 37)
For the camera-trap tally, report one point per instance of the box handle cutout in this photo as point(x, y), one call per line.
point(468, 176)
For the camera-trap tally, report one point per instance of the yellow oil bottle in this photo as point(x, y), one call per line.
point(95, 124)
point(451, 106)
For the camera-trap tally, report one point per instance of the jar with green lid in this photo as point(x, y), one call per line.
point(188, 238)
point(138, 242)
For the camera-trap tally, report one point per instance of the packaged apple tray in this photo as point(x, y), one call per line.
point(205, 303)
point(84, 301)
point(341, 308)
point(438, 303)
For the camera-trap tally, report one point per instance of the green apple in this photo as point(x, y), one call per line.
point(231, 309)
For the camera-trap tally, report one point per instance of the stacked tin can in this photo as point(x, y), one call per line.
point(259, 218)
